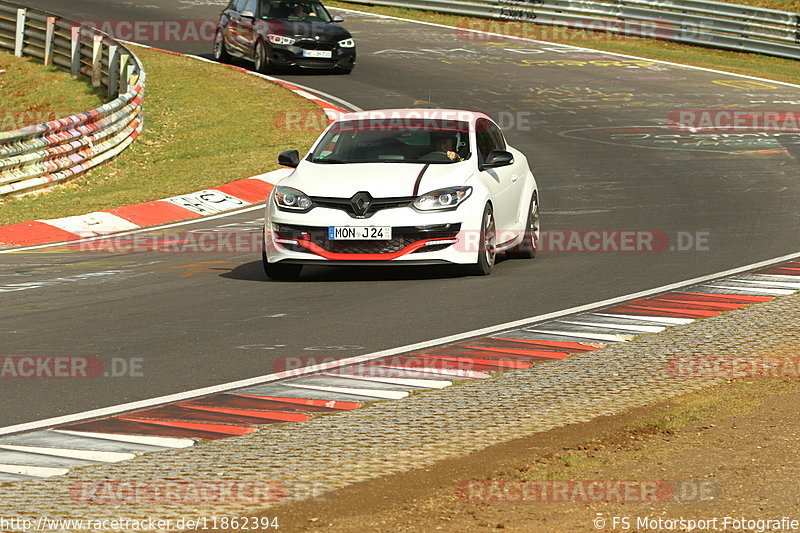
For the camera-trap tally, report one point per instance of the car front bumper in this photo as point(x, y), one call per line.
point(417, 238)
point(292, 56)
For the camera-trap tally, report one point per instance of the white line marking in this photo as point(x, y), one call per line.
point(443, 372)
point(625, 327)
point(580, 48)
point(33, 471)
point(491, 330)
point(773, 284)
point(584, 335)
point(410, 382)
point(758, 291)
point(375, 393)
point(159, 442)
point(87, 455)
point(657, 319)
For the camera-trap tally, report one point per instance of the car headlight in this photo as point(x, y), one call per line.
point(448, 198)
point(280, 39)
point(291, 199)
point(347, 43)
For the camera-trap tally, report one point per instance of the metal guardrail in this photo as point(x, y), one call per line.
point(42, 155)
point(699, 22)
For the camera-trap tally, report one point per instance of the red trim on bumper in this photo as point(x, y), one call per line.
point(411, 248)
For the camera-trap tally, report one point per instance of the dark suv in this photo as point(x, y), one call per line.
point(279, 33)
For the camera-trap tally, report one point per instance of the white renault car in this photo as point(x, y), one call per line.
point(403, 187)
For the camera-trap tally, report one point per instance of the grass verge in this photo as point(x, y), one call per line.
point(657, 428)
point(204, 125)
point(31, 93)
point(741, 63)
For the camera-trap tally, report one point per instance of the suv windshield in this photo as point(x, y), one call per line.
point(384, 141)
point(294, 11)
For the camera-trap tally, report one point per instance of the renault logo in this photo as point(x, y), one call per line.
point(361, 202)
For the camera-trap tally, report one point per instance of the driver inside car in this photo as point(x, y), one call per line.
point(444, 149)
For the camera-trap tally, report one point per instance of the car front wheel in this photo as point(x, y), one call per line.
point(220, 53)
point(526, 249)
point(262, 62)
point(280, 271)
point(487, 241)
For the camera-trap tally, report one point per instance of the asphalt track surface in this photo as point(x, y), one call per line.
point(593, 128)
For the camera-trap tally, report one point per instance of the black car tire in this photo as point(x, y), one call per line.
point(280, 271)
point(343, 70)
point(262, 62)
point(220, 52)
point(530, 241)
point(487, 255)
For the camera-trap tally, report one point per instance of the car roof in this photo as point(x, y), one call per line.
point(435, 114)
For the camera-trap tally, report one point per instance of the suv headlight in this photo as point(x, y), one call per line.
point(291, 199)
point(347, 43)
point(280, 39)
point(448, 198)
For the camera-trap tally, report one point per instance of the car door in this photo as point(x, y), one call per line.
point(247, 28)
point(227, 26)
point(502, 182)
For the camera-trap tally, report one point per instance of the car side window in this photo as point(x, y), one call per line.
point(238, 5)
point(489, 138)
point(250, 5)
point(498, 142)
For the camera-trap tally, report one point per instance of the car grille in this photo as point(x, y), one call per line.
point(316, 62)
point(377, 204)
point(401, 237)
point(308, 44)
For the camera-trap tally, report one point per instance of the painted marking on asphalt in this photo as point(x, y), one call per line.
point(496, 331)
point(87, 455)
point(33, 471)
point(158, 442)
point(374, 393)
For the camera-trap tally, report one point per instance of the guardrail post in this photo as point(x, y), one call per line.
point(48, 41)
point(97, 60)
point(75, 53)
point(113, 71)
point(19, 45)
point(124, 60)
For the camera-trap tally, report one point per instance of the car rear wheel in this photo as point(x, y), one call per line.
point(262, 61)
point(526, 249)
point(220, 53)
point(488, 245)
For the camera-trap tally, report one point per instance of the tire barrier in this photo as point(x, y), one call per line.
point(43, 155)
point(697, 22)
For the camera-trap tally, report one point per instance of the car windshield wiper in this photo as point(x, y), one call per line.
point(328, 161)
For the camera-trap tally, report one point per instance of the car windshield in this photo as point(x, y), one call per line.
point(294, 11)
point(387, 141)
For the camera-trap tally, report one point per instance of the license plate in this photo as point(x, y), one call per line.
point(318, 53)
point(360, 233)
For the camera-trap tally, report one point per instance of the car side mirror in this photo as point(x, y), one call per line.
point(338, 18)
point(248, 14)
point(289, 158)
point(498, 158)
